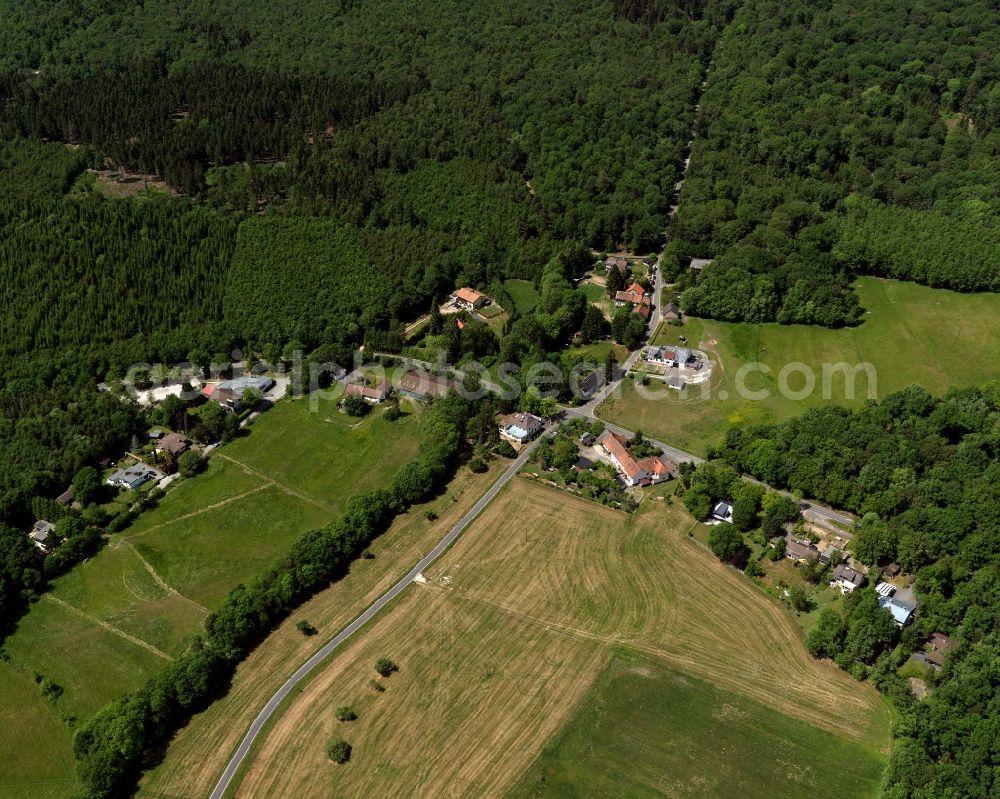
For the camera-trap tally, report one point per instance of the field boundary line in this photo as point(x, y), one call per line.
point(221, 503)
point(286, 488)
point(163, 583)
point(109, 627)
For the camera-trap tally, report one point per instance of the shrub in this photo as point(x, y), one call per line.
point(477, 466)
point(190, 463)
point(305, 627)
point(385, 667)
point(355, 405)
point(430, 515)
point(504, 448)
point(376, 686)
point(367, 554)
point(338, 751)
point(346, 714)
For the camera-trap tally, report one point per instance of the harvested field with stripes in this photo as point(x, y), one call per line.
point(511, 630)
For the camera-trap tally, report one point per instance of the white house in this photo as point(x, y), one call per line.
point(901, 611)
point(469, 298)
point(519, 428)
point(648, 471)
point(134, 476)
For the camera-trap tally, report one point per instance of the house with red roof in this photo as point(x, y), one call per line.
point(646, 471)
point(469, 298)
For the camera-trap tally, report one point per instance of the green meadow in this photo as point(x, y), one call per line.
point(644, 730)
point(523, 293)
point(912, 334)
point(114, 620)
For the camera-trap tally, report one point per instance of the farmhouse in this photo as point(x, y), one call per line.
point(798, 550)
point(134, 476)
point(634, 294)
point(847, 579)
point(723, 511)
point(901, 611)
point(647, 471)
point(42, 535)
point(469, 299)
point(371, 394)
point(519, 428)
point(671, 312)
point(424, 386)
point(173, 444)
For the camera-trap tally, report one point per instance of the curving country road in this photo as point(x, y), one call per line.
point(306, 668)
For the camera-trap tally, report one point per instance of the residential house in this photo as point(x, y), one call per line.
point(723, 511)
point(901, 611)
point(647, 471)
point(229, 393)
point(519, 428)
point(591, 383)
point(424, 386)
point(642, 310)
point(616, 262)
point(828, 554)
point(846, 578)
point(373, 395)
point(42, 535)
point(174, 444)
point(939, 645)
point(891, 570)
point(697, 264)
point(66, 497)
point(469, 299)
point(134, 476)
point(671, 312)
point(671, 357)
point(798, 550)
point(634, 295)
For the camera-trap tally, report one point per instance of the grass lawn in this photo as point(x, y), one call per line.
point(645, 730)
point(113, 621)
point(516, 624)
point(911, 334)
point(35, 751)
point(523, 293)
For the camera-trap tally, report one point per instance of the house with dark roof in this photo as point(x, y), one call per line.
point(583, 465)
point(42, 535)
point(846, 578)
point(938, 646)
point(616, 262)
point(134, 476)
point(671, 312)
point(723, 511)
point(670, 357)
point(424, 386)
point(519, 428)
point(174, 444)
point(800, 550)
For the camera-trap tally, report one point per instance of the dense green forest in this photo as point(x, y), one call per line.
point(923, 473)
point(809, 103)
point(331, 170)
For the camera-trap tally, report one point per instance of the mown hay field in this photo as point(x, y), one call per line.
point(509, 634)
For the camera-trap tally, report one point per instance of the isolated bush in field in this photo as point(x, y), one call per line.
point(430, 515)
point(338, 751)
point(376, 686)
point(345, 713)
point(305, 627)
point(477, 466)
point(385, 667)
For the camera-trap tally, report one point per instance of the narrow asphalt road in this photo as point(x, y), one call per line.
point(306, 668)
